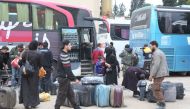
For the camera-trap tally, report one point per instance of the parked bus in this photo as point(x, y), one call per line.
point(116, 31)
point(22, 21)
point(170, 27)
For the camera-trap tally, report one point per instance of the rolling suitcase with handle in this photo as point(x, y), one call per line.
point(87, 96)
point(7, 98)
point(102, 95)
point(169, 90)
point(116, 96)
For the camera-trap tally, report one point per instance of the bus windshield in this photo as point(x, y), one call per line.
point(174, 22)
point(119, 31)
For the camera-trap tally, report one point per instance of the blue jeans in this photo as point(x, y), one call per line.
point(142, 92)
point(16, 77)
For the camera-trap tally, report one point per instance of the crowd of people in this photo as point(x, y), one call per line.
point(134, 78)
point(104, 63)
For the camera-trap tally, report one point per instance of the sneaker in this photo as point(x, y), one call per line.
point(26, 107)
point(77, 107)
point(161, 104)
point(57, 107)
point(142, 99)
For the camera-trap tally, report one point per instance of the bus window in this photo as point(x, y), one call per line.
point(119, 32)
point(14, 12)
point(141, 19)
point(174, 22)
point(59, 20)
point(46, 18)
point(38, 13)
point(102, 28)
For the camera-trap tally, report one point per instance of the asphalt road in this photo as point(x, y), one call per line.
point(133, 103)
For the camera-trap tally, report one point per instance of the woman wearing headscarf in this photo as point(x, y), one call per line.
point(29, 92)
point(111, 71)
point(131, 78)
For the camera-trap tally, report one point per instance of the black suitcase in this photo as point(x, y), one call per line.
point(7, 98)
point(149, 95)
point(77, 100)
point(179, 90)
point(87, 96)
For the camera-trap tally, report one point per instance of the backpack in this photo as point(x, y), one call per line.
point(99, 67)
point(135, 59)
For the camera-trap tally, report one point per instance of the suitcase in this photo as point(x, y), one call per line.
point(102, 95)
point(149, 95)
point(92, 80)
point(76, 95)
point(116, 96)
point(179, 91)
point(7, 98)
point(87, 96)
point(169, 90)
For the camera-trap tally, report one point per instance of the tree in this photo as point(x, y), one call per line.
point(115, 10)
point(188, 2)
point(135, 4)
point(122, 9)
point(182, 2)
point(169, 2)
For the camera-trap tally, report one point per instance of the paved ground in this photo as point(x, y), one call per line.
point(133, 103)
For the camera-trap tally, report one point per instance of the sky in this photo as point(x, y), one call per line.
point(127, 3)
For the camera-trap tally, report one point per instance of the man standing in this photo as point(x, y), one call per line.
point(110, 47)
point(158, 70)
point(46, 60)
point(4, 58)
point(97, 54)
point(15, 53)
point(65, 76)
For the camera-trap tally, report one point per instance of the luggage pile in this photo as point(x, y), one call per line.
point(92, 91)
point(171, 91)
point(7, 95)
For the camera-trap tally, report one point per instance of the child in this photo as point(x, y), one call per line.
point(142, 86)
point(100, 69)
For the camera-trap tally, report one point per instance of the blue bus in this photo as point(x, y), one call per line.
point(170, 27)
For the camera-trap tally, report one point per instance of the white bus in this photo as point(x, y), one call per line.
point(116, 31)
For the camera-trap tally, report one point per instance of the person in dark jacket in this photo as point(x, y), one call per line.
point(15, 53)
point(111, 71)
point(29, 92)
point(65, 76)
point(131, 78)
point(47, 60)
point(110, 47)
point(4, 58)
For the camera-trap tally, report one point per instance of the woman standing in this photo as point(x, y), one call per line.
point(111, 71)
point(29, 93)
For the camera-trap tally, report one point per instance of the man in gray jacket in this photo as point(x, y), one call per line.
point(158, 70)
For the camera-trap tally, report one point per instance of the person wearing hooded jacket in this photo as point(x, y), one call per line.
point(126, 58)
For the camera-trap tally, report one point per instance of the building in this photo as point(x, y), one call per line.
point(97, 7)
point(92, 5)
point(106, 8)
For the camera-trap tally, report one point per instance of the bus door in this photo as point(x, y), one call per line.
point(72, 35)
point(86, 46)
point(86, 43)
